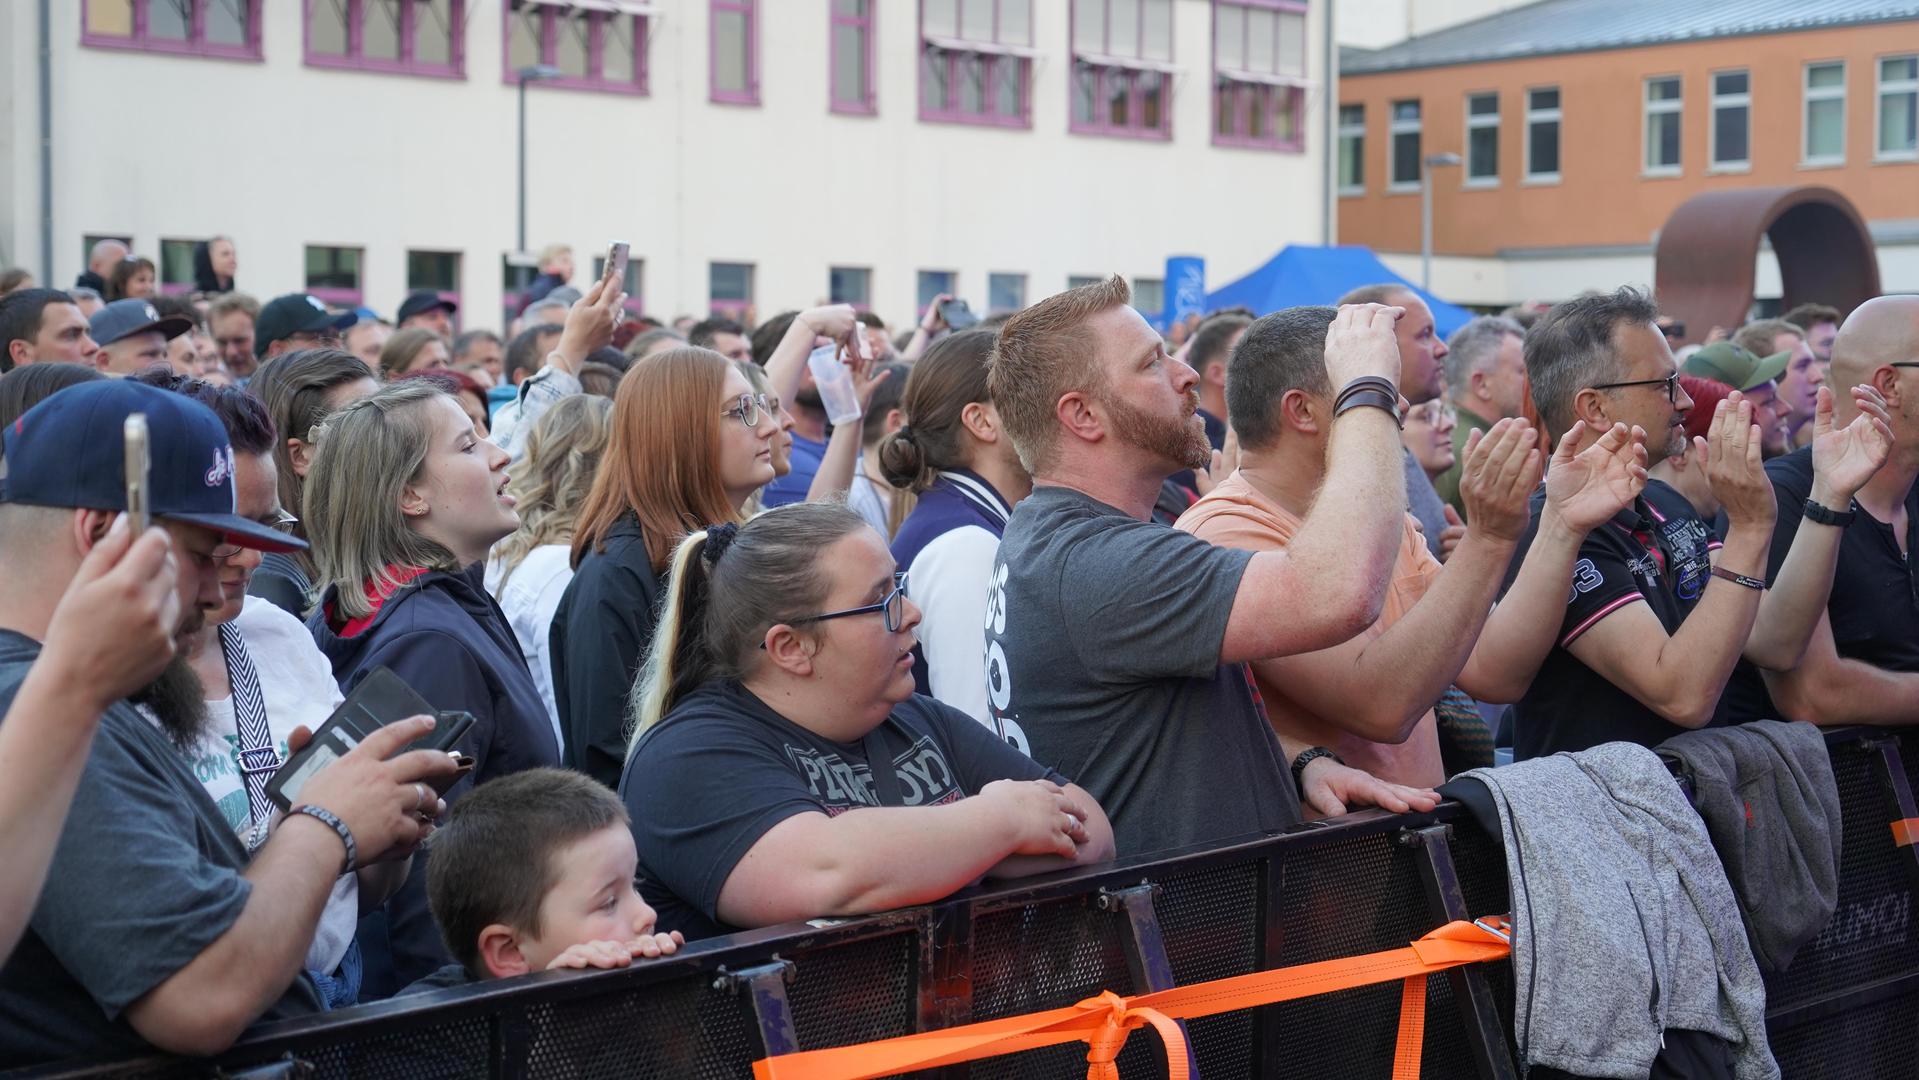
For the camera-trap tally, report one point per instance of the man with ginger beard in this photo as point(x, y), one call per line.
point(1119, 645)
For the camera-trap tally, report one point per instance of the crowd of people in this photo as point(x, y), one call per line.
point(1064, 590)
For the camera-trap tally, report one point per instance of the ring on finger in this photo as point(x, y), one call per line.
point(419, 797)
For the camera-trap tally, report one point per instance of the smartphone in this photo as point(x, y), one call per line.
point(958, 314)
point(616, 254)
point(137, 469)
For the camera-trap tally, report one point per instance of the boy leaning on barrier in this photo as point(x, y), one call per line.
point(534, 872)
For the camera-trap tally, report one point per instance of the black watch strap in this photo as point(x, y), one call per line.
point(1307, 758)
point(1825, 515)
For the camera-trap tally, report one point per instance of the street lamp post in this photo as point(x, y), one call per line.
point(1429, 163)
point(530, 73)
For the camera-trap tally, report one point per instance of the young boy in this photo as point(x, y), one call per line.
point(534, 872)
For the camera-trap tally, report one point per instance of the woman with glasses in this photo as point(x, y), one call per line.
point(690, 444)
point(783, 769)
point(1428, 436)
point(403, 503)
point(260, 676)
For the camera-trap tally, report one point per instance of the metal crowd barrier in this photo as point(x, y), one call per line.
point(1847, 1008)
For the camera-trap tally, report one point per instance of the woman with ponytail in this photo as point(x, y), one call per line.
point(956, 457)
point(690, 444)
point(782, 767)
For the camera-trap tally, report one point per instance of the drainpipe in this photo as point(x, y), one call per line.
point(1329, 63)
point(46, 144)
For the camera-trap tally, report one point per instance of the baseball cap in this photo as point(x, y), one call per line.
point(295, 313)
point(70, 451)
point(421, 301)
point(125, 318)
point(1722, 361)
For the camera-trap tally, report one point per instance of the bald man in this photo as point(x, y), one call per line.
point(1422, 377)
point(1862, 663)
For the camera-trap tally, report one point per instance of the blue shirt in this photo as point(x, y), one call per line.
point(792, 487)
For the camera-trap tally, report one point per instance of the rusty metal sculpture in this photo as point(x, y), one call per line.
point(1704, 263)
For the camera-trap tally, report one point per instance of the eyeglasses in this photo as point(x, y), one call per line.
point(1674, 330)
point(1670, 382)
point(747, 409)
point(893, 607)
point(278, 521)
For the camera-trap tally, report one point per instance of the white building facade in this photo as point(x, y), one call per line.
point(757, 154)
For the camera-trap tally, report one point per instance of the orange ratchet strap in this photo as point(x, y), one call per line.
point(1905, 832)
point(1104, 1022)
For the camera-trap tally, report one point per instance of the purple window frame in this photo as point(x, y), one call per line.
point(868, 103)
point(1243, 92)
point(196, 43)
point(1106, 73)
point(356, 12)
point(327, 294)
point(596, 49)
point(751, 95)
point(1022, 116)
point(452, 296)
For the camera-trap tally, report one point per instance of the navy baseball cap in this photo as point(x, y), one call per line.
point(70, 451)
point(421, 301)
point(125, 318)
point(295, 313)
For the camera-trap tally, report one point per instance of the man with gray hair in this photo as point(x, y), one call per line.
point(1654, 622)
point(1485, 383)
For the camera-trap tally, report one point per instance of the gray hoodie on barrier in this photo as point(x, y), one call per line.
point(1623, 923)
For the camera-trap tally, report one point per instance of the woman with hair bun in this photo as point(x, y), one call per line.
point(954, 454)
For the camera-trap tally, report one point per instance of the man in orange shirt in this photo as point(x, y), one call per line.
point(1370, 699)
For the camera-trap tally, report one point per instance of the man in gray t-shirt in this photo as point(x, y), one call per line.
point(1118, 644)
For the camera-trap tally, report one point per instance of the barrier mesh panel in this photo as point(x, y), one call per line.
point(1047, 956)
point(1211, 922)
point(686, 1029)
point(856, 992)
point(1870, 936)
point(1480, 862)
point(1877, 1042)
point(462, 1048)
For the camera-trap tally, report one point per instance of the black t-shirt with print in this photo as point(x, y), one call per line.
point(1874, 608)
point(722, 769)
point(1657, 551)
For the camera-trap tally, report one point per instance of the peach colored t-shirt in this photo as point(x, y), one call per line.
point(1237, 515)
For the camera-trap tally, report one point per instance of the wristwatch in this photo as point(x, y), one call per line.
point(1307, 758)
point(1825, 515)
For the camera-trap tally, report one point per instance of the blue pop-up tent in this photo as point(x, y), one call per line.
point(1303, 274)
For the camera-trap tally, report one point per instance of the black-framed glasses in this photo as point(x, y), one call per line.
point(747, 409)
point(278, 521)
point(1904, 363)
point(1670, 382)
point(893, 607)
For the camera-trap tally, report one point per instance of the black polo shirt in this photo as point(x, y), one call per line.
point(1657, 551)
point(1874, 607)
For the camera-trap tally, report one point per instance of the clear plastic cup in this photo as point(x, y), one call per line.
point(835, 384)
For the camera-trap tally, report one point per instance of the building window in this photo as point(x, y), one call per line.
point(1005, 293)
point(593, 46)
point(1482, 140)
point(1898, 108)
point(850, 285)
point(729, 290)
point(414, 37)
point(931, 284)
point(176, 267)
point(976, 60)
point(226, 28)
point(333, 275)
point(1662, 125)
point(1149, 296)
point(850, 58)
point(1122, 67)
point(630, 286)
point(1542, 135)
point(1825, 141)
point(1352, 149)
point(1405, 145)
point(1080, 281)
point(438, 271)
point(1259, 73)
point(1731, 120)
point(734, 38)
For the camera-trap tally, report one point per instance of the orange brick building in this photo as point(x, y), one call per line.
point(1582, 124)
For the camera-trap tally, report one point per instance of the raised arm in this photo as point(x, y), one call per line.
point(787, 366)
point(589, 325)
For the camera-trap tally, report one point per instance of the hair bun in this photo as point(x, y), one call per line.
point(905, 433)
point(718, 539)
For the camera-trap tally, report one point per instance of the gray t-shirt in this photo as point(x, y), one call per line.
point(147, 874)
point(1424, 503)
point(1103, 635)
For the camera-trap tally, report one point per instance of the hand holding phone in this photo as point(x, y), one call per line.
point(136, 474)
point(616, 257)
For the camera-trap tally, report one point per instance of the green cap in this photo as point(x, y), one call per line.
point(1724, 362)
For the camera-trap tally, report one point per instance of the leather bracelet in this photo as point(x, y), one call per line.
point(1307, 758)
point(1370, 397)
point(1825, 515)
point(1724, 574)
point(1376, 382)
point(327, 818)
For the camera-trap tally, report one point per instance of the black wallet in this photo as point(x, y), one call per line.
point(379, 700)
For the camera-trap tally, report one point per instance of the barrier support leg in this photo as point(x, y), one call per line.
point(765, 988)
point(1472, 994)
point(946, 976)
point(1891, 769)
point(1145, 945)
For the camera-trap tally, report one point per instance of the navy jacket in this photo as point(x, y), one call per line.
point(598, 642)
point(446, 638)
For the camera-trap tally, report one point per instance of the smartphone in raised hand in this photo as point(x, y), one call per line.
point(137, 470)
point(616, 256)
